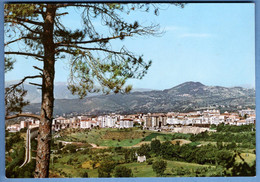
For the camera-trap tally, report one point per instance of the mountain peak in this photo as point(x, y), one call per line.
point(186, 88)
point(191, 83)
point(188, 85)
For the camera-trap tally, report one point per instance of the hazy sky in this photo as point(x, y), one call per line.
point(210, 43)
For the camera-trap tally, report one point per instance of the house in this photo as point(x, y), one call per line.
point(101, 121)
point(24, 124)
point(74, 122)
point(251, 119)
point(86, 123)
point(126, 123)
point(247, 112)
point(13, 128)
point(110, 121)
point(172, 120)
point(141, 158)
point(241, 122)
point(94, 123)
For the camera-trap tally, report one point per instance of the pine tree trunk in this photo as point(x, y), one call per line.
point(44, 135)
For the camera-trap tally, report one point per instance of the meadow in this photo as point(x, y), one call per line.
point(109, 144)
point(101, 152)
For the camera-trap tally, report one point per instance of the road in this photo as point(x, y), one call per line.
point(27, 148)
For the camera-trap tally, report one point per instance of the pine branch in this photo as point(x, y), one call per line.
point(25, 26)
point(90, 49)
point(64, 43)
point(35, 67)
point(29, 21)
point(14, 41)
point(32, 38)
point(23, 80)
point(23, 115)
point(25, 54)
point(35, 84)
point(61, 14)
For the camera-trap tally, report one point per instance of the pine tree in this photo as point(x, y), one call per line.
point(94, 65)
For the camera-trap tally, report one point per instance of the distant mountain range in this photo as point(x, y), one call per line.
point(183, 98)
point(60, 92)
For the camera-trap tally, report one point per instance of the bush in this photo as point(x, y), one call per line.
point(85, 175)
point(122, 171)
point(159, 167)
point(149, 161)
point(105, 169)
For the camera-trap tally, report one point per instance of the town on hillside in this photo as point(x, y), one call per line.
point(191, 122)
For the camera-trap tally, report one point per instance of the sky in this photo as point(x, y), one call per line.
point(209, 43)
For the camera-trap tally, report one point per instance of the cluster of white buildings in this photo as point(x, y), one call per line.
point(210, 117)
point(85, 122)
point(31, 123)
point(150, 121)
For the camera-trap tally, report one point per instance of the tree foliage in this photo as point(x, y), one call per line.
point(122, 171)
point(105, 169)
point(159, 167)
point(155, 146)
point(93, 62)
point(144, 150)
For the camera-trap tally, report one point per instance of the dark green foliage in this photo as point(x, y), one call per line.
point(224, 157)
point(27, 171)
point(167, 150)
point(85, 175)
point(159, 167)
point(122, 171)
point(59, 145)
point(220, 145)
point(127, 154)
point(243, 169)
point(154, 135)
point(149, 161)
point(240, 137)
point(231, 146)
point(14, 99)
point(23, 130)
point(69, 162)
point(18, 158)
point(133, 157)
point(16, 143)
point(235, 129)
point(240, 169)
point(71, 148)
point(9, 64)
point(155, 146)
point(105, 169)
point(180, 136)
point(14, 138)
point(144, 150)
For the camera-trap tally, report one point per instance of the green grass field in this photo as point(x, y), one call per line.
point(112, 137)
point(61, 169)
point(106, 139)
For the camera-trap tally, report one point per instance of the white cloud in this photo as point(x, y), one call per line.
point(198, 35)
point(180, 31)
point(172, 28)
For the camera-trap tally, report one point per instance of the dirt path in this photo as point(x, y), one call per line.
point(98, 147)
point(182, 141)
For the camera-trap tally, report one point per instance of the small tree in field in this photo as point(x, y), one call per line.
point(105, 169)
point(122, 171)
point(155, 146)
point(159, 167)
